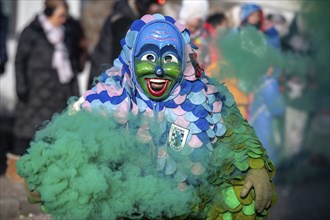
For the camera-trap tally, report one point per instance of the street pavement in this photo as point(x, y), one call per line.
point(307, 200)
point(14, 204)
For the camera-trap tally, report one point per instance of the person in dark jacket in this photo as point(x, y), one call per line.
point(5, 137)
point(3, 35)
point(46, 70)
point(115, 28)
point(78, 44)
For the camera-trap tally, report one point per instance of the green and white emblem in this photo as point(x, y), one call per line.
point(177, 137)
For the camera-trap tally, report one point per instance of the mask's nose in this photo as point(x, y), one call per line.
point(159, 71)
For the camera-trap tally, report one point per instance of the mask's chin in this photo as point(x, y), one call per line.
point(157, 87)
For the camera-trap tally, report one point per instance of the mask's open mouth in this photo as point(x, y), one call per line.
point(157, 86)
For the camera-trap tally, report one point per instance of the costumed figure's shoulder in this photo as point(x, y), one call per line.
point(220, 91)
point(111, 94)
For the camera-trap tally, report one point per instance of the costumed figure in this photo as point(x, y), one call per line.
point(155, 110)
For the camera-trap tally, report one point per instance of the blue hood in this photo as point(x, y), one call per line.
point(247, 10)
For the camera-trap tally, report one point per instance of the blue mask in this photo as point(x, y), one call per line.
point(158, 59)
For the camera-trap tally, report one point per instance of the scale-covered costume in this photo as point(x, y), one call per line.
point(191, 128)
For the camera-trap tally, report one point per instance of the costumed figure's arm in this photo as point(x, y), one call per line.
point(243, 169)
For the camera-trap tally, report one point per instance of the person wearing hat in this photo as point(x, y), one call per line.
point(193, 14)
point(252, 15)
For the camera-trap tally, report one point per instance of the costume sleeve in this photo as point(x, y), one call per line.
point(234, 154)
point(239, 149)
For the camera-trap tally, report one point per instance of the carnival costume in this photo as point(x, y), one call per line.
point(189, 127)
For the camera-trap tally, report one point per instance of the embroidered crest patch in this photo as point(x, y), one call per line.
point(177, 137)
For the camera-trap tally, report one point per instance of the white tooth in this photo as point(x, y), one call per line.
point(157, 80)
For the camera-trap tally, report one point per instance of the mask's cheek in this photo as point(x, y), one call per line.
point(143, 68)
point(144, 86)
point(173, 70)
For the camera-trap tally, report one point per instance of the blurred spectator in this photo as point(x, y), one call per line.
point(115, 28)
point(5, 127)
point(268, 103)
point(252, 15)
point(46, 67)
point(301, 92)
point(279, 22)
point(296, 40)
point(193, 14)
point(3, 36)
point(215, 26)
point(219, 23)
point(77, 40)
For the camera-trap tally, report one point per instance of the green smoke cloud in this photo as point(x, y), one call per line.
point(247, 56)
point(86, 166)
point(316, 16)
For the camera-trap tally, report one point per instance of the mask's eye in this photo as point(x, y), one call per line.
point(169, 58)
point(149, 57)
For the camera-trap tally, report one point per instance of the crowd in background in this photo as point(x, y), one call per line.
point(52, 50)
